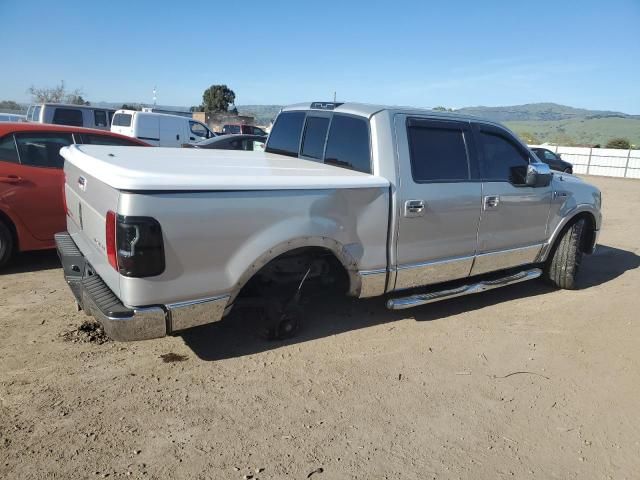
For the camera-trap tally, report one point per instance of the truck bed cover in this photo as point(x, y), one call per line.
point(134, 169)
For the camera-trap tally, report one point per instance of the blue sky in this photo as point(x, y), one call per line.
point(421, 53)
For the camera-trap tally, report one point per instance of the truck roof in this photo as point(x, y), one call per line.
point(189, 169)
point(368, 110)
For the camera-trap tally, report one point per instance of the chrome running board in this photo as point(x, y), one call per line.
point(481, 286)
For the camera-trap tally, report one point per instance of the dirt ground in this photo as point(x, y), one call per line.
point(521, 382)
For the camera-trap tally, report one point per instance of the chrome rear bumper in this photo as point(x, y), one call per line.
point(129, 323)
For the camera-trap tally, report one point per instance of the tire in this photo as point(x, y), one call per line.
point(6, 244)
point(562, 266)
point(568, 170)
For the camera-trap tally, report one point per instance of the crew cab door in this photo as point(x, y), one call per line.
point(513, 225)
point(439, 201)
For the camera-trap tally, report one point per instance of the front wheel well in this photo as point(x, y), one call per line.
point(588, 232)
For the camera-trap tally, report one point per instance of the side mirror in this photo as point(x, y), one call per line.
point(538, 175)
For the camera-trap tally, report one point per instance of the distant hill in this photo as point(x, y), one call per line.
point(539, 111)
point(579, 131)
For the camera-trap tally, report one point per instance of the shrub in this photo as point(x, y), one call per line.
point(619, 142)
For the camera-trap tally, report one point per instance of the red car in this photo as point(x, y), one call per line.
point(31, 181)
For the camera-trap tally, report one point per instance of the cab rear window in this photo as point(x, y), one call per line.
point(121, 120)
point(348, 145)
point(285, 136)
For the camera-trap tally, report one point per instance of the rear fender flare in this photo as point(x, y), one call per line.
point(342, 254)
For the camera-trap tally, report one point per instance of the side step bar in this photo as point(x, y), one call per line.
point(481, 286)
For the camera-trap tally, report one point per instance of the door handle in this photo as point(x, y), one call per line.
point(177, 137)
point(192, 138)
point(491, 201)
point(13, 179)
point(414, 208)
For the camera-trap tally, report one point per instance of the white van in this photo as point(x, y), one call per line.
point(73, 115)
point(160, 129)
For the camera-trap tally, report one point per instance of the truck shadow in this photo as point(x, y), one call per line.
point(237, 335)
point(32, 262)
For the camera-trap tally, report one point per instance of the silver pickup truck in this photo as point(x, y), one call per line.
point(413, 204)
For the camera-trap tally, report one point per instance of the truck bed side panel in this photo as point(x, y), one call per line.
point(212, 238)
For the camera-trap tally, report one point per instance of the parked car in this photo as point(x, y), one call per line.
point(160, 129)
point(31, 181)
point(414, 204)
point(236, 128)
point(552, 159)
point(73, 115)
point(234, 142)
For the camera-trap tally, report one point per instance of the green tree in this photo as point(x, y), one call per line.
point(217, 98)
point(77, 100)
point(9, 105)
point(619, 142)
point(442, 109)
point(197, 108)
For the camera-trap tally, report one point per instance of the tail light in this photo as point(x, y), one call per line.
point(110, 229)
point(134, 245)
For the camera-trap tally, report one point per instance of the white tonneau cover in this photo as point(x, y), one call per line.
point(154, 168)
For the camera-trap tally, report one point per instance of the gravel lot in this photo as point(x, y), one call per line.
point(435, 392)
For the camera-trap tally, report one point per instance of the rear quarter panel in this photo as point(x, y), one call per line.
point(212, 238)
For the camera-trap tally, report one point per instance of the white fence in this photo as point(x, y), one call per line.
point(609, 162)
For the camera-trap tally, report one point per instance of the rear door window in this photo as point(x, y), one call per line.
point(285, 135)
point(93, 139)
point(315, 134)
point(68, 116)
point(438, 151)
point(100, 118)
point(42, 149)
point(348, 144)
point(8, 151)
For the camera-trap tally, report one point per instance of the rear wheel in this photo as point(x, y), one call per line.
point(6, 244)
point(562, 266)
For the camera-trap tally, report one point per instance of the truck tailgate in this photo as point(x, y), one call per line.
point(88, 200)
